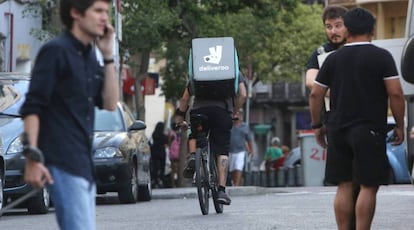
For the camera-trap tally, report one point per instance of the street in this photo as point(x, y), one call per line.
point(265, 209)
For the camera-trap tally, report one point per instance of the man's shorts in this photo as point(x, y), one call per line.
point(220, 124)
point(236, 161)
point(357, 154)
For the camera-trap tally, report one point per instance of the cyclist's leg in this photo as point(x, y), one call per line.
point(189, 166)
point(220, 124)
point(222, 164)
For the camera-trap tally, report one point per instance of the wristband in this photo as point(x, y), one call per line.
point(108, 61)
point(178, 112)
point(317, 126)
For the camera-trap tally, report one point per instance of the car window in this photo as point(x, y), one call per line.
point(108, 120)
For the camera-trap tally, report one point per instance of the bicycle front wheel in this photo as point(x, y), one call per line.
point(201, 180)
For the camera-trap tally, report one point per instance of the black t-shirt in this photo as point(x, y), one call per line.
point(313, 60)
point(355, 75)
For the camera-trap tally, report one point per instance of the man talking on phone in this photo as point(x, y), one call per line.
point(67, 82)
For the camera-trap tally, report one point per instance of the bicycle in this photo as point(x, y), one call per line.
point(206, 174)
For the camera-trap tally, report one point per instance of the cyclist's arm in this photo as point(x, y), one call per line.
point(241, 97)
point(185, 99)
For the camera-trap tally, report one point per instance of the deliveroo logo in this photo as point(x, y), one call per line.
point(214, 58)
point(215, 55)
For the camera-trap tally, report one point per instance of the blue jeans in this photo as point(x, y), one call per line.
point(74, 200)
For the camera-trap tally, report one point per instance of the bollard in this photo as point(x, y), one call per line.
point(281, 177)
point(256, 178)
point(247, 178)
point(290, 176)
point(263, 179)
point(271, 178)
point(298, 175)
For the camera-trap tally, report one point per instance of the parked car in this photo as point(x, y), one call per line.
point(396, 154)
point(122, 136)
point(13, 87)
point(122, 155)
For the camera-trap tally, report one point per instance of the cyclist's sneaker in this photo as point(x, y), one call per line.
point(223, 198)
point(189, 167)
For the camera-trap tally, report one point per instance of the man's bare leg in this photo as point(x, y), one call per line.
point(222, 164)
point(365, 207)
point(236, 177)
point(344, 205)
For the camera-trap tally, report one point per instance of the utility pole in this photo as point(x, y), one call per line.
point(118, 38)
point(249, 92)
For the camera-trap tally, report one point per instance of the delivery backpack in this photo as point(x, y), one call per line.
point(213, 68)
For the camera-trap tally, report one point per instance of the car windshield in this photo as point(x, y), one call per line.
point(108, 120)
point(9, 95)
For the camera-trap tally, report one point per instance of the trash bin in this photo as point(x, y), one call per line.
point(313, 159)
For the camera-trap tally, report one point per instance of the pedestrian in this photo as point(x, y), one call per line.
point(335, 31)
point(174, 153)
point(240, 147)
point(272, 154)
point(67, 82)
point(362, 78)
point(158, 154)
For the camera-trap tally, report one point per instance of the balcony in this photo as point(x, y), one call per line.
point(280, 93)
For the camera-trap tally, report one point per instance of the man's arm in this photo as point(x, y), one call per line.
point(110, 90)
point(31, 127)
point(35, 173)
point(182, 108)
point(315, 106)
point(397, 105)
point(241, 97)
point(310, 77)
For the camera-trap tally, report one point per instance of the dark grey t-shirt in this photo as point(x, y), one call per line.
point(225, 103)
point(239, 136)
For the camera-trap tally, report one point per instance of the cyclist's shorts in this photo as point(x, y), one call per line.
point(219, 123)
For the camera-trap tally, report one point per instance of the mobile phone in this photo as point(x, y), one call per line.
point(105, 32)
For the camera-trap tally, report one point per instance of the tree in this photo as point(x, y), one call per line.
point(144, 24)
point(275, 37)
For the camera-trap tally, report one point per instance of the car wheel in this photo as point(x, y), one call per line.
point(39, 204)
point(1, 191)
point(410, 160)
point(145, 192)
point(128, 194)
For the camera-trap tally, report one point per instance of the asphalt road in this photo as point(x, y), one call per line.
point(252, 208)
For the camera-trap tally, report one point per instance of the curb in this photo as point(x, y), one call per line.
point(191, 192)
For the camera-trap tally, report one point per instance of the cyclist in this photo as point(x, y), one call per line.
point(219, 113)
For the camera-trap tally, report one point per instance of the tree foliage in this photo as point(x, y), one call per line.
point(274, 37)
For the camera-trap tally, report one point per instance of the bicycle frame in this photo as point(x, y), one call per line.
point(206, 174)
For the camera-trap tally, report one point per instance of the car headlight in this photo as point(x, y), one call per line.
point(15, 147)
point(107, 152)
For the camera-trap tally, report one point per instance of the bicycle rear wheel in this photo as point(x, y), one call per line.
point(214, 184)
point(201, 179)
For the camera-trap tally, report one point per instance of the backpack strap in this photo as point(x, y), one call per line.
point(190, 72)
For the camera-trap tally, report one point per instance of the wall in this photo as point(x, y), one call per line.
point(24, 46)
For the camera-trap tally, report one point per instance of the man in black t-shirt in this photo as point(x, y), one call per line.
point(361, 78)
